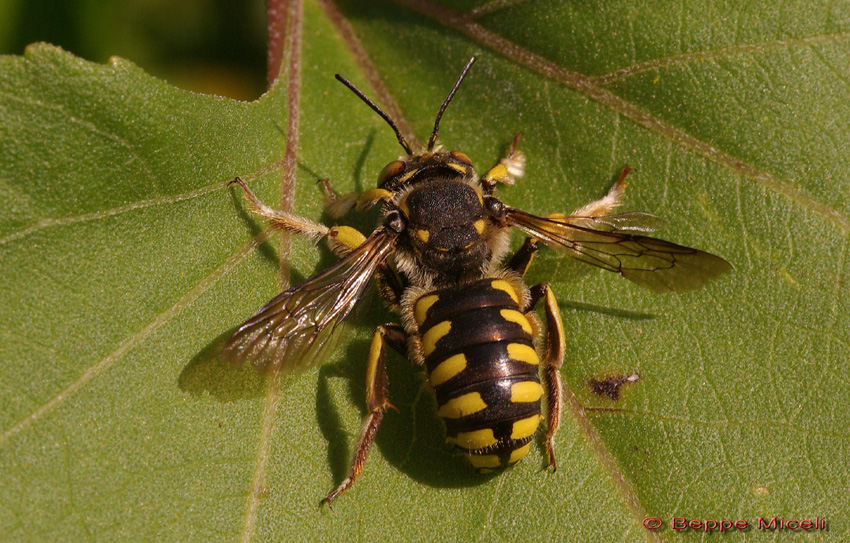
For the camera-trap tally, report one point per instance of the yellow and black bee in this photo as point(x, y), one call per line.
point(439, 254)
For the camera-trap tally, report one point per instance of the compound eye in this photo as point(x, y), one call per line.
point(390, 170)
point(462, 158)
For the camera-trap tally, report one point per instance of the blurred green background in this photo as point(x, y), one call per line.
point(210, 46)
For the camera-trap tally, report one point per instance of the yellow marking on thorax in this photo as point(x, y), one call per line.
point(477, 439)
point(433, 335)
point(484, 461)
point(457, 167)
point(519, 454)
point(525, 427)
point(407, 176)
point(423, 235)
point(501, 284)
point(523, 353)
point(447, 369)
point(404, 207)
point(526, 392)
point(423, 304)
point(479, 226)
point(462, 406)
point(517, 317)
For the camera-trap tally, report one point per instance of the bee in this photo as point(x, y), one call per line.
point(439, 254)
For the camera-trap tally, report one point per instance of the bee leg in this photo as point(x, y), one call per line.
point(390, 286)
point(521, 260)
point(338, 206)
point(609, 202)
point(553, 358)
point(341, 239)
point(506, 170)
point(552, 361)
point(376, 400)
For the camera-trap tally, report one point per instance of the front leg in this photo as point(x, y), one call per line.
point(506, 170)
point(341, 239)
point(609, 202)
point(376, 400)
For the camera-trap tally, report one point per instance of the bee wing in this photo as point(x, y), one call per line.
point(607, 242)
point(632, 221)
point(294, 329)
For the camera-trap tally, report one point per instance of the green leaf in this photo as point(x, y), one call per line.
point(126, 262)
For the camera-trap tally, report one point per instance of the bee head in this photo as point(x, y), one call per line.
point(407, 171)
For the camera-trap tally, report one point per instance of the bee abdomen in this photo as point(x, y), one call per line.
point(482, 365)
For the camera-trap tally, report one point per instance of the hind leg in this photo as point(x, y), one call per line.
point(376, 401)
point(553, 359)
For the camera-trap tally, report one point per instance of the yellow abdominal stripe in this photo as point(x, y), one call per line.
point(462, 406)
point(447, 369)
point(519, 454)
point(501, 284)
point(526, 427)
point(517, 317)
point(486, 463)
point(423, 304)
point(523, 353)
point(526, 392)
point(433, 335)
point(477, 439)
point(484, 460)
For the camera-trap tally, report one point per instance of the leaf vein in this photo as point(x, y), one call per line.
point(714, 54)
point(292, 40)
point(133, 340)
point(105, 213)
point(771, 424)
point(589, 87)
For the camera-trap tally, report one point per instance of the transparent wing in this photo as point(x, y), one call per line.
point(632, 221)
point(293, 331)
point(607, 242)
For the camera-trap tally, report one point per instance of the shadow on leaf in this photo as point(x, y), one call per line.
point(411, 439)
point(207, 374)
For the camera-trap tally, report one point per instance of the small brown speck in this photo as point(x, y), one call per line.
point(609, 387)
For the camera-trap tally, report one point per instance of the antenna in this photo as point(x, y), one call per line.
point(433, 139)
point(380, 112)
